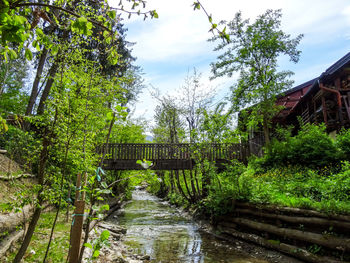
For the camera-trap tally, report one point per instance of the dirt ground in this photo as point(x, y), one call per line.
point(9, 188)
point(8, 166)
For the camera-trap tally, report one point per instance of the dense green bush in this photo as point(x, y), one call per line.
point(343, 143)
point(311, 147)
point(21, 146)
point(301, 187)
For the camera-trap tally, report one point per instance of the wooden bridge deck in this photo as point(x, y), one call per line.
point(123, 156)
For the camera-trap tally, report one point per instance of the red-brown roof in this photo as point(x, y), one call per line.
point(291, 98)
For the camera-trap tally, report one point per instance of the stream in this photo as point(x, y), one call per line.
point(161, 231)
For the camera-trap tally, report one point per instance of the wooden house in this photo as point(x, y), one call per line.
point(324, 99)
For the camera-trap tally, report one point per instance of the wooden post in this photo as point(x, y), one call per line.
point(77, 227)
point(77, 222)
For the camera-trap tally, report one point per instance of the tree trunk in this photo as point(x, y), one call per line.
point(197, 183)
point(3, 81)
point(92, 198)
point(205, 182)
point(342, 244)
point(172, 182)
point(285, 248)
point(52, 73)
point(29, 233)
point(297, 219)
point(266, 131)
point(195, 194)
point(34, 93)
point(179, 186)
point(38, 209)
point(187, 188)
point(293, 210)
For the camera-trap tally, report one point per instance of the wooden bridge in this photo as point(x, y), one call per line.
point(124, 156)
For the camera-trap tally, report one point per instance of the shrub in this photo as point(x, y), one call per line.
point(311, 147)
point(343, 143)
point(22, 146)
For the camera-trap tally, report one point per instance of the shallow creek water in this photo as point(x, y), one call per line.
point(162, 232)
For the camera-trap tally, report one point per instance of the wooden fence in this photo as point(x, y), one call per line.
point(123, 156)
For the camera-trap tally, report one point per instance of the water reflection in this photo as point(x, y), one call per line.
point(159, 230)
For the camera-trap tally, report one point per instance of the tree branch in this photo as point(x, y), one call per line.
point(62, 9)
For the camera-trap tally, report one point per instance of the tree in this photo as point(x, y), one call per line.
point(193, 98)
point(169, 126)
point(253, 51)
point(12, 78)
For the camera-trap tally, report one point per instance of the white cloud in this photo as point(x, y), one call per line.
point(167, 47)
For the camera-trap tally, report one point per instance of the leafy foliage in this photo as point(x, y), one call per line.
point(311, 147)
point(23, 147)
point(343, 143)
point(253, 51)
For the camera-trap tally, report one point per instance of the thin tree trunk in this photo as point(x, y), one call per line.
point(41, 172)
point(2, 88)
point(197, 183)
point(52, 73)
point(205, 181)
point(187, 188)
point(195, 193)
point(172, 182)
point(51, 77)
point(60, 201)
point(35, 87)
point(266, 132)
point(179, 186)
point(87, 229)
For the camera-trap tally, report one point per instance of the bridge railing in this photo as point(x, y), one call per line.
point(180, 151)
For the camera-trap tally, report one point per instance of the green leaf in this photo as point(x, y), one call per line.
point(28, 54)
point(105, 235)
point(118, 108)
point(88, 245)
point(54, 50)
point(105, 191)
point(196, 5)
point(109, 115)
point(95, 254)
point(104, 185)
point(12, 53)
point(106, 33)
point(112, 14)
point(155, 14)
point(104, 207)
point(5, 3)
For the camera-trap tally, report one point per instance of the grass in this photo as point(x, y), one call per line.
point(301, 188)
point(15, 194)
point(60, 243)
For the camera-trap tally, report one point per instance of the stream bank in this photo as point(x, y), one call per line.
point(306, 234)
point(159, 232)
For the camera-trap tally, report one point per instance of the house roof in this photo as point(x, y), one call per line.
point(292, 97)
point(336, 66)
point(299, 87)
point(314, 83)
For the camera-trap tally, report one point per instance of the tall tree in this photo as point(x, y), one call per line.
point(169, 126)
point(253, 51)
point(193, 98)
point(12, 78)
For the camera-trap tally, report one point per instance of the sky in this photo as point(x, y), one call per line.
point(168, 48)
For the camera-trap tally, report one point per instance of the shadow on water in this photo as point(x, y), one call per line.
point(161, 231)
